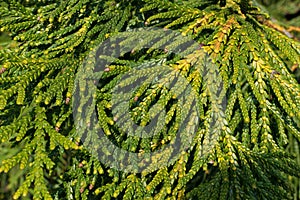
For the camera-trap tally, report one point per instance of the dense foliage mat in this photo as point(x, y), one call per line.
point(42, 155)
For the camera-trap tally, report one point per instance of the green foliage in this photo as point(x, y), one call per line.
point(249, 160)
point(286, 14)
point(286, 11)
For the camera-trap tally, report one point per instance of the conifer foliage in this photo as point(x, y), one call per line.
point(254, 59)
